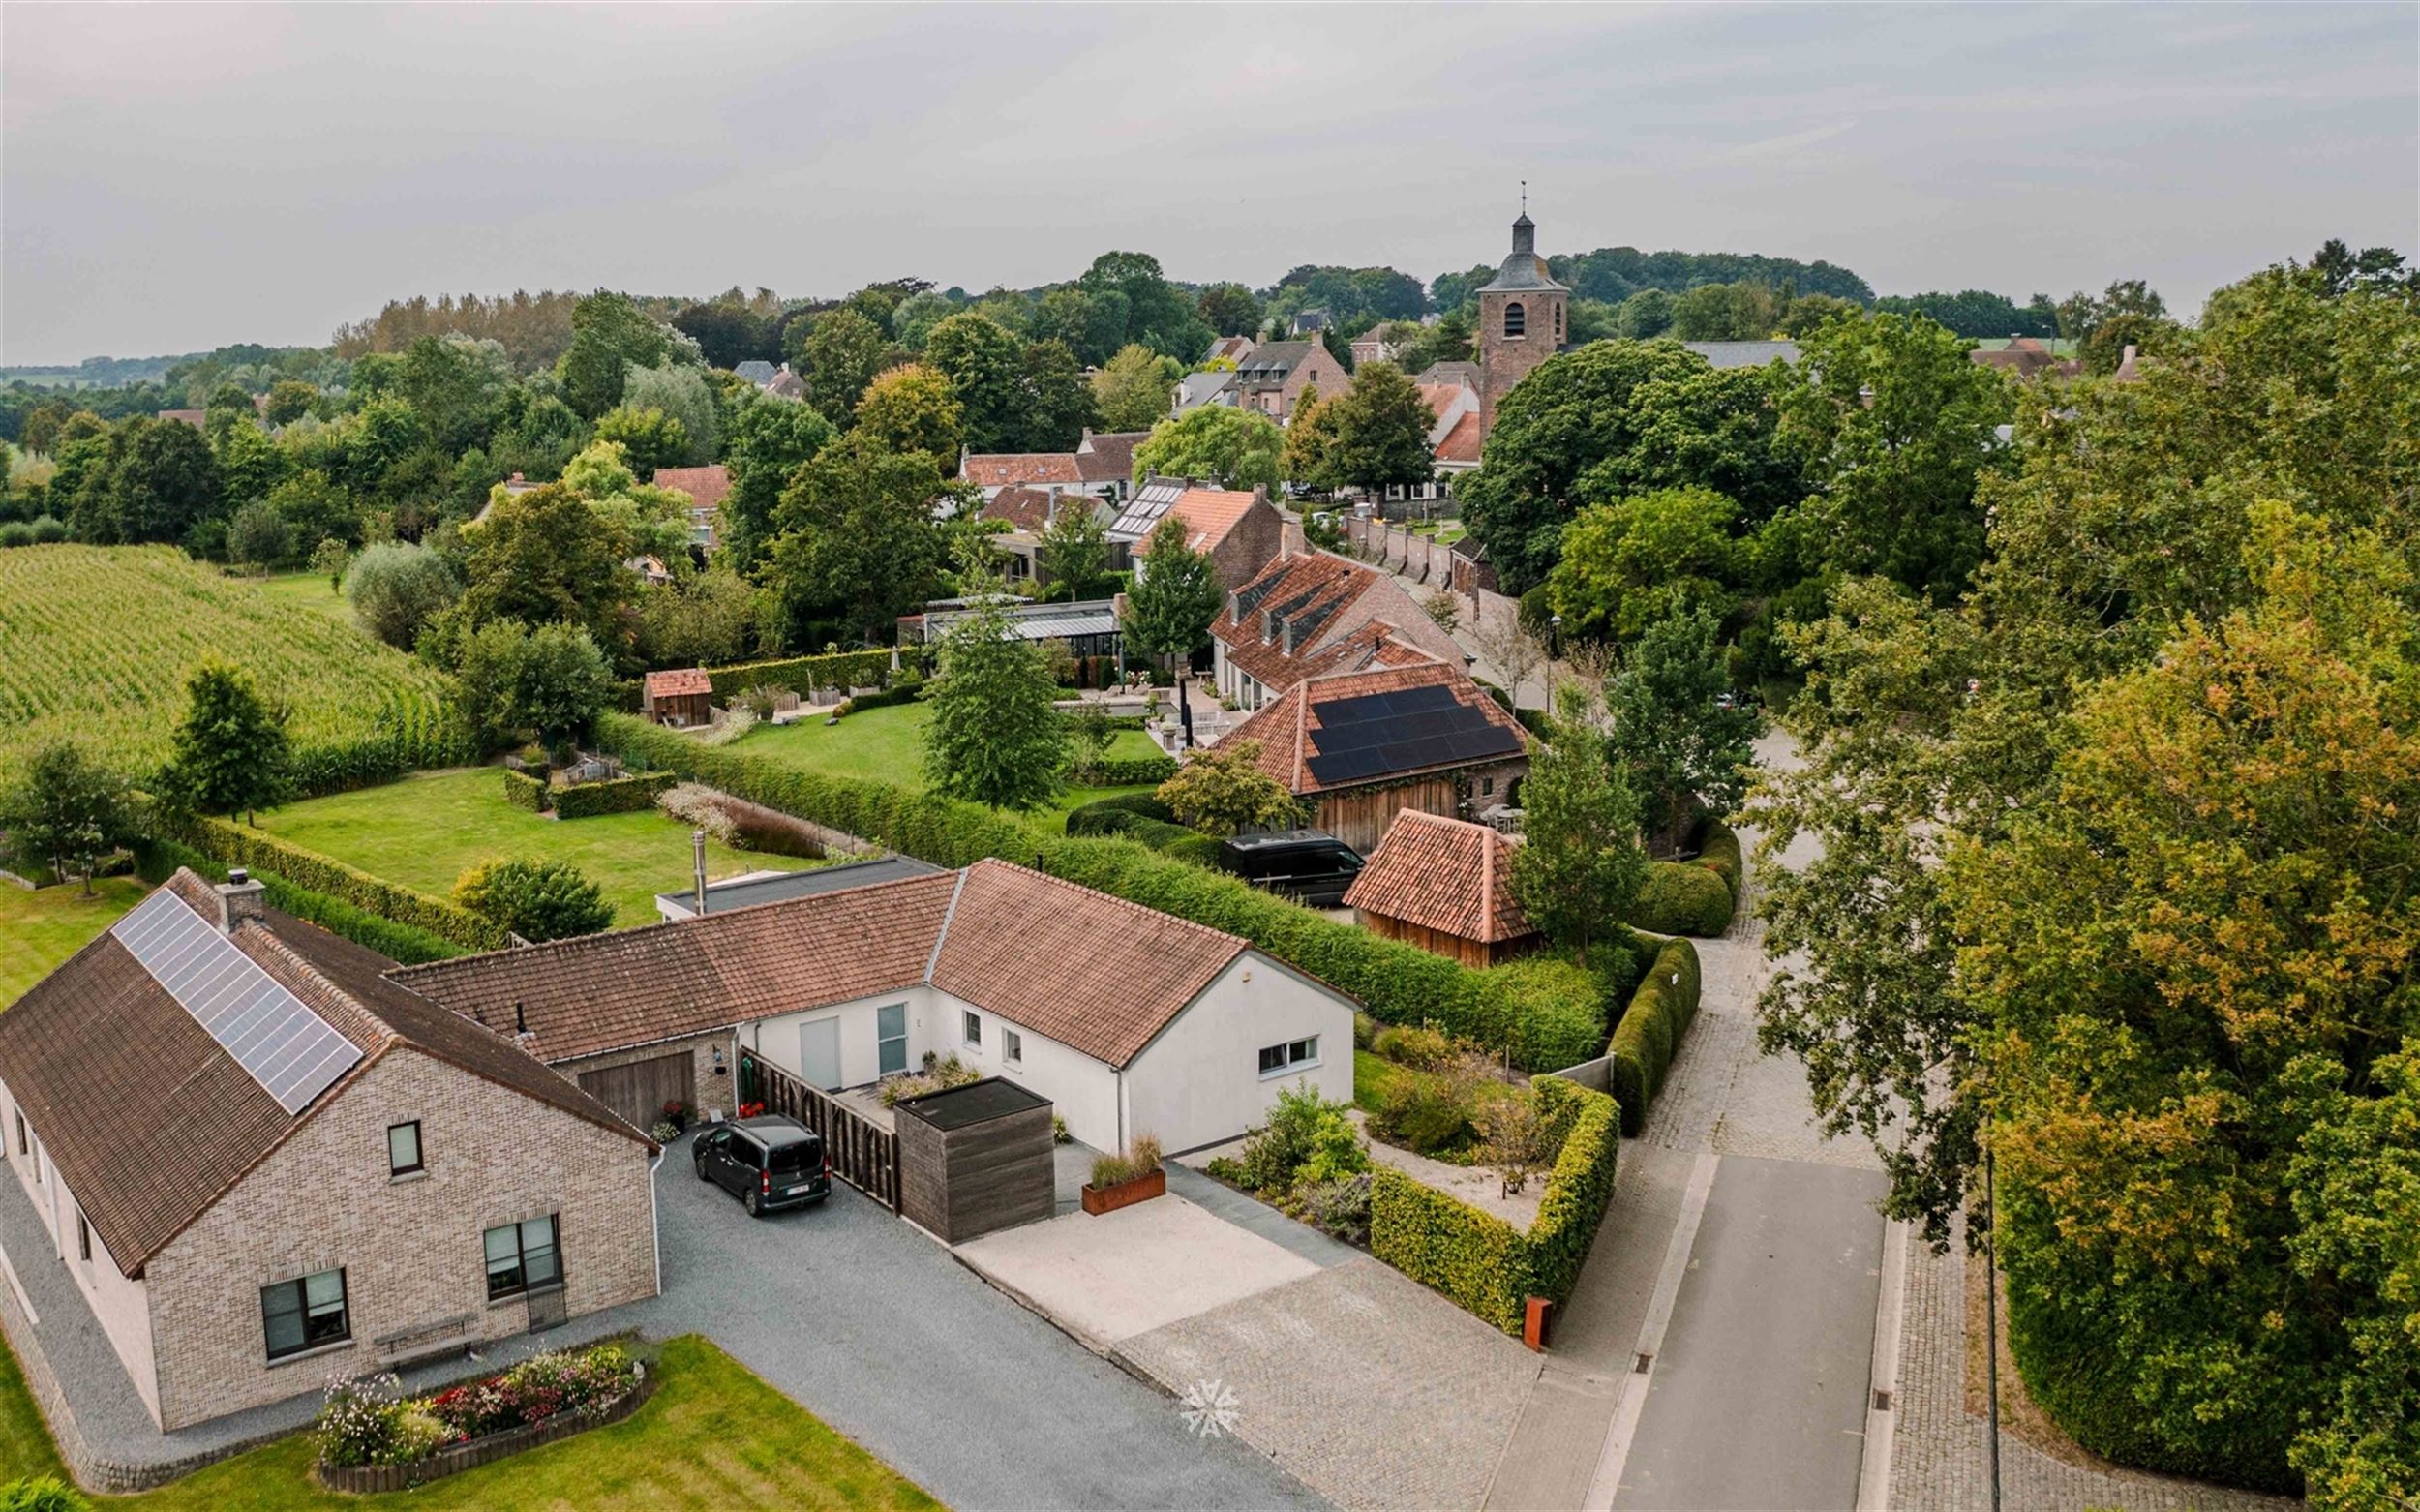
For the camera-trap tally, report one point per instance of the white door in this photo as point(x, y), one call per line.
point(819, 1053)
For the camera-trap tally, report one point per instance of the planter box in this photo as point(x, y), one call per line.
point(1126, 1193)
point(482, 1451)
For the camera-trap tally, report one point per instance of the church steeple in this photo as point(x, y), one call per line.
point(1525, 236)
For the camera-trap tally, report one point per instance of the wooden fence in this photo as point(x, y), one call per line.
point(862, 1152)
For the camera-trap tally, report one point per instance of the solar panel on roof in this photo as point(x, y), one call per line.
point(291, 1051)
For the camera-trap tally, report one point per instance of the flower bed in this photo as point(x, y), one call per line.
point(373, 1438)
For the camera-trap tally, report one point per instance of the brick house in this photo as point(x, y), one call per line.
point(707, 487)
point(1444, 885)
point(261, 1160)
point(1313, 612)
point(1273, 376)
point(1238, 530)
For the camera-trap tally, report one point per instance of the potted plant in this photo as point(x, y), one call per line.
point(1124, 1180)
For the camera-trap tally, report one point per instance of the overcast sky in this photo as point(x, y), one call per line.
point(175, 177)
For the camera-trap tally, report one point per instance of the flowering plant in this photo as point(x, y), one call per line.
point(369, 1421)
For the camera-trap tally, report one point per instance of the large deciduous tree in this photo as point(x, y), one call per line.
point(550, 683)
point(1131, 390)
point(982, 361)
point(1054, 400)
point(856, 540)
point(396, 589)
point(843, 352)
point(229, 753)
point(1381, 429)
point(1221, 790)
point(1234, 448)
point(1579, 865)
point(1175, 596)
point(769, 441)
point(1629, 564)
point(1680, 749)
point(1230, 309)
point(609, 335)
point(546, 556)
point(65, 811)
point(913, 409)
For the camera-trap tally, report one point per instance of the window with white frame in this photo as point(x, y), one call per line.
point(522, 1258)
point(1294, 1055)
point(971, 1026)
point(304, 1313)
point(1011, 1047)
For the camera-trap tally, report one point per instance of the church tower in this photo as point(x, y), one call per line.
point(1521, 320)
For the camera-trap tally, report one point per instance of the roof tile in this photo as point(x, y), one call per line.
point(1444, 874)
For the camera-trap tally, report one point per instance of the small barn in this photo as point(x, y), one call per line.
point(1444, 885)
point(680, 697)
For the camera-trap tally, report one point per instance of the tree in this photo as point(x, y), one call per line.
point(650, 437)
point(545, 557)
point(457, 386)
point(609, 335)
point(66, 812)
point(2337, 270)
point(727, 332)
point(995, 736)
point(1076, 548)
point(316, 509)
point(1055, 401)
point(1309, 455)
point(229, 753)
point(856, 539)
point(1637, 560)
point(984, 364)
point(1644, 315)
point(685, 394)
point(250, 464)
point(550, 683)
point(843, 352)
point(1131, 391)
point(1234, 448)
point(1221, 790)
point(910, 410)
point(769, 442)
point(330, 560)
point(1579, 865)
point(1091, 328)
point(396, 589)
point(1680, 749)
point(2080, 314)
point(2105, 349)
point(1229, 309)
point(156, 481)
point(1158, 314)
point(259, 538)
point(1381, 429)
point(535, 899)
point(1175, 596)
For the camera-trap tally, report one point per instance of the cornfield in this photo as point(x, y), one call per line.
point(96, 644)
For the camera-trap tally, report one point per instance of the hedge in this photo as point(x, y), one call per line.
point(614, 795)
point(1169, 839)
point(1131, 771)
point(372, 759)
point(156, 860)
point(237, 845)
point(1718, 852)
point(1480, 1260)
point(1547, 1014)
point(1683, 897)
point(1650, 1033)
point(524, 791)
point(800, 675)
point(906, 692)
point(1147, 804)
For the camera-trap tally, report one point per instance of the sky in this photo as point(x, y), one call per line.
point(177, 177)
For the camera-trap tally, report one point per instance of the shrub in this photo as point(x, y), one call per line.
point(156, 859)
point(1301, 1124)
point(1414, 1044)
point(40, 1494)
point(1131, 771)
point(397, 588)
point(1718, 852)
point(938, 1075)
point(700, 809)
point(1681, 897)
point(738, 724)
point(906, 692)
point(535, 899)
point(49, 530)
point(1339, 1207)
point(1429, 1112)
point(614, 795)
point(356, 1422)
point(1649, 1036)
point(266, 856)
point(16, 532)
point(524, 791)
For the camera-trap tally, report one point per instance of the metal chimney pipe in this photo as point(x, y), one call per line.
point(697, 849)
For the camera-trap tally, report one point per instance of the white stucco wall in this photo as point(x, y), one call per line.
point(1200, 1082)
point(776, 1038)
point(1082, 1090)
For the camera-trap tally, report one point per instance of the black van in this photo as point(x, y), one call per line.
point(767, 1162)
point(1310, 866)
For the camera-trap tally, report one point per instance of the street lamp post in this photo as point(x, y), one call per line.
point(1553, 644)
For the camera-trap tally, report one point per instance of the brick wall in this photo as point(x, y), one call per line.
point(1320, 369)
point(1252, 545)
point(410, 1247)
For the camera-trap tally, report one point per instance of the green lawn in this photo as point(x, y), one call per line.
point(1373, 1075)
point(424, 830)
point(712, 1436)
point(46, 927)
point(888, 746)
point(307, 589)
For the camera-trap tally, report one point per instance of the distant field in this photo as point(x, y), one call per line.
point(426, 829)
point(96, 643)
point(308, 588)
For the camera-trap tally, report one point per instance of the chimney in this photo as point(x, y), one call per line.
point(1236, 605)
point(1260, 493)
point(697, 850)
point(240, 897)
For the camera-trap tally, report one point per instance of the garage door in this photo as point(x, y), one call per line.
point(639, 1091)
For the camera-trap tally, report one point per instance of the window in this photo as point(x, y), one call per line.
point(1559, 322)
point(1278, 1059)
point(21, 1147)
point(1011, 1047)
point(403, 1148)
point(890, 1038)
point(305, 1313)
point(1487, 787)
point(974, 1029)
point(1516, 320)
point(84, 1235)
point(521, 1258)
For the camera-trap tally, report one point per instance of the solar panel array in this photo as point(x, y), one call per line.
point(291, 1051)
point(1376, 734)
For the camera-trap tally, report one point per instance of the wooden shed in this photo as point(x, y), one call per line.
point(975, 1158)
point(1444, 885)
point(680, 697)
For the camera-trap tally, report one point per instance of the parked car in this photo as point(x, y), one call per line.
point(1310, 866)
point(769, 1163)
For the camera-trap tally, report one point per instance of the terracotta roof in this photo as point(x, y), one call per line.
point(1208, 515)
point(1290, 730)
point(1461, 443)
point(1321, 599)
point(1023, 509)
point(1444, 874)
point(1108, 456)
point(1003, 469)
point(679, 681)
point(1094, 972)
point(707, 487)
point(149, 1135)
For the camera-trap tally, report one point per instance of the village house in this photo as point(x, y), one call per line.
point(1194, 390)
point(261, 1160)
point(1273, 378)
point(707, 487)
point(1105, 460)
point(1129, 1020)
point(1444, 885)
point(1231, 348)
point(992, 471)
point(1314, 613)
point(1238, 530)
point(1372, 346)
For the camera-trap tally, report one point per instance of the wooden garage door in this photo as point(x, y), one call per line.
point(639, 1091)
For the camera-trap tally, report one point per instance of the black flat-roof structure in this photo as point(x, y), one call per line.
point(722, 897)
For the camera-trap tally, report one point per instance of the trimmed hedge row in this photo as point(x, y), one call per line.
point(156, 860)
point(1131, 771)
point(1479, 1260)
point(614, 796)
point(235, 845)
point(907, 690)
point(1547, 1014)
point(1169, 839)
point(1683, 897)
point(1718, 852)
point(524, 791)
point(374, 759)
point(1649, 1036)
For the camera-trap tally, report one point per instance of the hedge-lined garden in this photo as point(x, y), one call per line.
point(799, 675)
point(1142, 818)
point(265, 855)
point(1649, 1036)
point(1548, 1013)
point(156, 859)
point(1481, 1261)
point(614, 795)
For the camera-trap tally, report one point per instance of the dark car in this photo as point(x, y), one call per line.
point(768, 1163)
point(1312, 865)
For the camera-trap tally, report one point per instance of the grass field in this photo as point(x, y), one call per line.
point(96, 643)
point(46, 927)
point(308, 589)
point(712, 1436)
point(424, 830)
point(888, 746)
